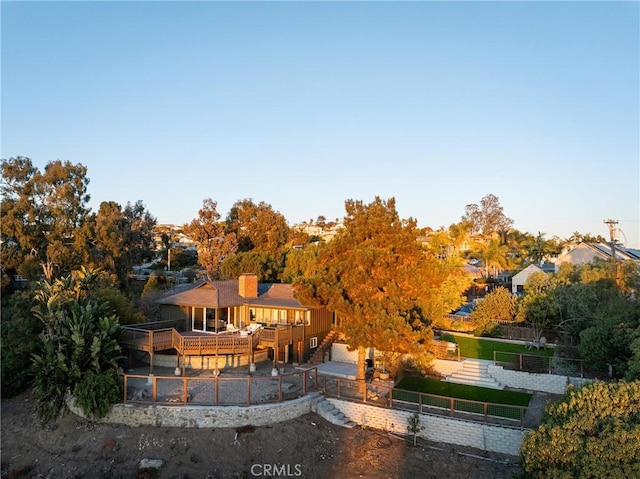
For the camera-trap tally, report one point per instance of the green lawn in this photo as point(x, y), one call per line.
point(461, 391)
point(484, 348)
point(442, 394)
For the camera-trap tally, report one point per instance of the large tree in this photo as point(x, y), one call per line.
point(498, 305)
point(488, 217)
point(117, 238)
point(41, 213)
point(538, 306)
point(208, 232)
point(258, 227)
point(381, 285)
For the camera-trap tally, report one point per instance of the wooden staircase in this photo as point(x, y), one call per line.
point(318, 356)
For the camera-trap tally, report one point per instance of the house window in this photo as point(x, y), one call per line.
point(314, 342)
point(302, 317)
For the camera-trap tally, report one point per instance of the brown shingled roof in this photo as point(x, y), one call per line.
point(223, 294)
point(275, 295)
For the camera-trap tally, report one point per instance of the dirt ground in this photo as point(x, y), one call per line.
point(307, 447)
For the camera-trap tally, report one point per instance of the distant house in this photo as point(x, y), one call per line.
point(518, 281)
point(236, 305)
point(586, 253)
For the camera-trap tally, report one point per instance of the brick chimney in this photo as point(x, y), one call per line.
point(248, 285)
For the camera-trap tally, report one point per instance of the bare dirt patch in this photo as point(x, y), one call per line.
point(307, 447)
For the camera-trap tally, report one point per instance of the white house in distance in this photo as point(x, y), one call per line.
point(519, 279)
point(586, 252)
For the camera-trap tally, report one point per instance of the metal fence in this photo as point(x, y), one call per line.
point(533, 363)
point(218, 390)
point(382, 395)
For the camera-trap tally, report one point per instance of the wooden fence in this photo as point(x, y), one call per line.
point(218, 390)
point(379, 394)
point(534, 363)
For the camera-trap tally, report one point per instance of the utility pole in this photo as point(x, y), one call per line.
point(612, 243)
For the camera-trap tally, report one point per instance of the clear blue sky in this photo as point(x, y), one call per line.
point(304, 105)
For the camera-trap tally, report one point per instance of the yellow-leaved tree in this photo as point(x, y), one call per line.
point(383, 287)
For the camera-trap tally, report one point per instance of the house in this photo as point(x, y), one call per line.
point(587, 252)
point(215, 307)
point(518, 281)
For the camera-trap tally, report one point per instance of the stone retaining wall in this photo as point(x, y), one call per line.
point(203, 416)
point(550, 383)
point(485, 437)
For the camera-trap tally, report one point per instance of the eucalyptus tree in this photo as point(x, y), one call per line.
point(118, 238)
point(213, 242)
point(258, 227)
point(41, 212)
point(488, 217)
point(267, 267)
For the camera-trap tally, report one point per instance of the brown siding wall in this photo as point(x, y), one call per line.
point(173, 312)
point(321, 324)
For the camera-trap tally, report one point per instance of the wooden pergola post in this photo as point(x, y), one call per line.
point(150, 353)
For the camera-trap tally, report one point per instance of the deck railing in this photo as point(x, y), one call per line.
point(214, 344)
point(162, 339)
point(278, 336)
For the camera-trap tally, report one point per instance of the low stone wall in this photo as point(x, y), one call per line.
point(203, 416)
point(485, 437)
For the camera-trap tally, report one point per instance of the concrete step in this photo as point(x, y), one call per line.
point(328, 411)
point(471, 374)
point(480, 382)
point(475, 366)
point(474, 373)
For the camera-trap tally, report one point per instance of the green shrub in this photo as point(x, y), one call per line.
point(51, 382)
point(20, 330)
point(79, 345)
point(96, 392)
point(593, 432)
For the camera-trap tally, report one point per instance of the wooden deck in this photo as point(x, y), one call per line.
point(194, 343)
